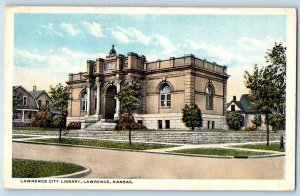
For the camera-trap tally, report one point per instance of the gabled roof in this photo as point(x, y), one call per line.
point(244, 104)
point(20, 86)
point(36, 94)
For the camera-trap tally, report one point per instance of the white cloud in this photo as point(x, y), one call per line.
point(168, 47)
point(70, 29)
point(57, 64)
point(49, 29)
point(130, 35)
point(235, 83)
point(94, 28)
point(30, 55)
point(120, 36)
point(254, 44)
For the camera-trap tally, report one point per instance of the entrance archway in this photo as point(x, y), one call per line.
point(110, 102)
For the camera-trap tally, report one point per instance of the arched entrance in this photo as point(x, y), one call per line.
point(110, 102)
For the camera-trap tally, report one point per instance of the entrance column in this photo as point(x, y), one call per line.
point(88, 101)
point(23, 116)
point(98, 99)
point(117, 84)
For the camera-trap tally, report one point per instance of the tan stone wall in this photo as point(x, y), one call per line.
point(75, 102)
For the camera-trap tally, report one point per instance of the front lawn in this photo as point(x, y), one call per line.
point(219, 152)
point(21, 136)
point(272, 146)
point(36, 129)
point(36, 169)
point(103, 144)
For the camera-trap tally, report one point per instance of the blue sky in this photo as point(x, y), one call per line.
point(49, 46)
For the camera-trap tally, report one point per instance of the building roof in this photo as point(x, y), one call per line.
point(36, 94)
point(244, 104)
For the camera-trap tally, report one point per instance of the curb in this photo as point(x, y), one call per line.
point(79, 174)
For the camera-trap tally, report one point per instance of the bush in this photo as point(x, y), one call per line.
point(125, 120)
point(250, 128)
point(42, 118)
point(191, 116)
point(235, 120)
point(257, 121)
point(277, 121)
point(74, 125)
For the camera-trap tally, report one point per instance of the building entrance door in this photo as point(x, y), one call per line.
point(110, 102)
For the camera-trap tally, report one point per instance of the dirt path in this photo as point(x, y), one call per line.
point(125, 164)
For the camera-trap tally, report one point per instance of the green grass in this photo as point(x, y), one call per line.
point(21, 136)
point(36, 169)
point(105, 144)
point(36, 129)
point(219, 152)
point(272, 146)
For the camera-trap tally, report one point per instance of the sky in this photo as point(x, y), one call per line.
point(47, 47)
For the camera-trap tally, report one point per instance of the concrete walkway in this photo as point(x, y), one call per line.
point(129, 165)
point(167, 150)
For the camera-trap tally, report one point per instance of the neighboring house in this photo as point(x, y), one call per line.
point(30, 102)
point(167, 85)
point(243, 107)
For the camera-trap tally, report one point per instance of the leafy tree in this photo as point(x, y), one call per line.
point(60, 96)
point(235, 120)
point(267, 85)
point(277, 120)
point(257, 121)
point(42, 118)
point(16, 104)
point(129, 96)
point(191, 116)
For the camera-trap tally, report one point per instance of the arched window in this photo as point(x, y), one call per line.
point(209, 97)
point(83, 101)
point(165, 96)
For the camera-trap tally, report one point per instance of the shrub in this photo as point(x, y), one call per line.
point(74, 125)
point(42, 118)
point(257, 121)
point(191, 116)
point(126, 121)
point(251, 128)
point(55, 122)
point(277, 120)
point(235, 120)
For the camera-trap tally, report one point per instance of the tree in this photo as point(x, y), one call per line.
point(235, 120)
point(257, 121)
point(129, 96)
point(277, 120)
point(16, 104)
point(60, 96)
point(267, 85)
point(42, 118)
point(191, 116)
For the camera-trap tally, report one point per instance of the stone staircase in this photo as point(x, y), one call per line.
point(102, 126)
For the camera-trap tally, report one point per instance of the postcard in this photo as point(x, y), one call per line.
point(150, 98)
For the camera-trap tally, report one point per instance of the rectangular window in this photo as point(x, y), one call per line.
point(208, 124)
point(47, 103)
point(232, 107)
point(95, 103)
point(40, 103)
point(159, 124)
point(140, 122)
point(212, 124)
point(24, 100)
point(167, 124)
point(83, 105)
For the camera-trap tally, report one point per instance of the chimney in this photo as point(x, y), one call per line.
point(234, 98)
point(34, 88)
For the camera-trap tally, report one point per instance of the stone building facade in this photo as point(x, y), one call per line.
point(167, 85)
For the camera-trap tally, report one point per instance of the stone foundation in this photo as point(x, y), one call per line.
point(161, 121)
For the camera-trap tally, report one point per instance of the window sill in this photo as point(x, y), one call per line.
point(167, 107)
